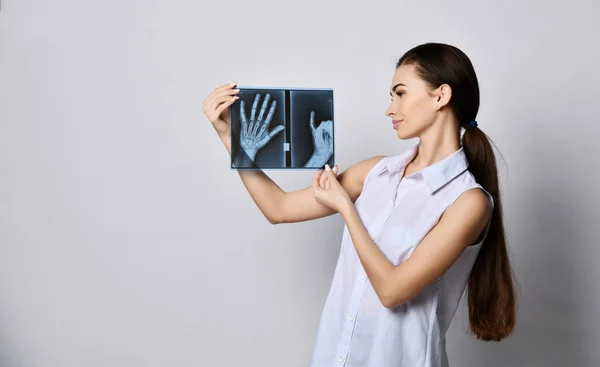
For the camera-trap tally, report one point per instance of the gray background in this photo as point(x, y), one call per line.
point(126, 239)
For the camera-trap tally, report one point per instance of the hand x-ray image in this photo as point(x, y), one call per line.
point(278, 128)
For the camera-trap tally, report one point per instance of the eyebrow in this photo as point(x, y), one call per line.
point(397, 85)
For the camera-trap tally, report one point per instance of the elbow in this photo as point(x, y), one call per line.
point(388, 302)
point(275, 214)
point(274, 220)
point(391, 300)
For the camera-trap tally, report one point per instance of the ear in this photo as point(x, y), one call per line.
point(443, 95)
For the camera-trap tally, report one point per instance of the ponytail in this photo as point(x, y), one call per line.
point(491, 296)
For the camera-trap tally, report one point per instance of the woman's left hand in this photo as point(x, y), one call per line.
point(328, 191)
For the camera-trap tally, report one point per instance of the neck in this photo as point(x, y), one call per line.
point(439, 141)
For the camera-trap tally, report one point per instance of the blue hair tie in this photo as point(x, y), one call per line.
point(471, 124)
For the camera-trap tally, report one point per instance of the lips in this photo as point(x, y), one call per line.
point(395, 123)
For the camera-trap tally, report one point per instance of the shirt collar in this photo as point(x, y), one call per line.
point(435, 175)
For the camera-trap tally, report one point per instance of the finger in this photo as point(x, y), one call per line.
point(218, 92)
point(224, 94)
point(253, 115)
point(312, 121)
point(222, 88)
point(316, 177)
point(215, 101)
point(259, 122)
point(254, 106)
point(210, 108)
point(331, 175)
point(271, 135)
point(329, 170)
point(226, 86)
point(276, 130)
point(330, 178)
point(271, 113)
point(243, 117)
point(224, 105)
point(266, 123)
point(323, 179)
point(264, 107)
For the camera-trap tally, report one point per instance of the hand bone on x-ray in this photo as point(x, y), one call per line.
point(254, 133)
point(322, 135)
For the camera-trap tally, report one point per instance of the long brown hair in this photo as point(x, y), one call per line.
point(491, 295)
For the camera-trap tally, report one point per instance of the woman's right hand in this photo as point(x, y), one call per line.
point(217, 108)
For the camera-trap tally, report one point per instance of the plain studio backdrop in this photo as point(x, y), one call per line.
point(126, 240)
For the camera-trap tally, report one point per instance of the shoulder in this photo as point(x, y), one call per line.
point(471, 210)
point(473, 198)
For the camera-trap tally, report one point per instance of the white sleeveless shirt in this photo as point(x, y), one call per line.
point(355, 329)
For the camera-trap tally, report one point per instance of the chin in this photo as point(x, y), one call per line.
point(405, 135)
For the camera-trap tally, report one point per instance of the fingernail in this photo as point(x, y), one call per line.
point(327, 167)
point(232, 84)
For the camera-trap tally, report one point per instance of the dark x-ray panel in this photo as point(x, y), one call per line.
point(282, 128)
point(311, 133)
point(258, 133)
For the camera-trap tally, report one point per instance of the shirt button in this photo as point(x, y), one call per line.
point(363, 276)
point(341, 359)
point(351, 318)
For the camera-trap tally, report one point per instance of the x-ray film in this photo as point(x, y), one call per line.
point(282, 128)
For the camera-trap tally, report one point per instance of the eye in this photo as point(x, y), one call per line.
point(399, 94)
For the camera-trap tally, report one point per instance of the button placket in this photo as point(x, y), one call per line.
point(389, 214)
point(375, 232)
point(353, 308)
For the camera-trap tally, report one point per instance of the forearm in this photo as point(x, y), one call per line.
point(378, 268)
point(267, 195)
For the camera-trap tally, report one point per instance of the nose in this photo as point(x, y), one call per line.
point(389, 112)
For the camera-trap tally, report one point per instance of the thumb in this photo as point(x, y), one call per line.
point(330, 173)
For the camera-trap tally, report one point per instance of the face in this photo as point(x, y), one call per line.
point(413, 106)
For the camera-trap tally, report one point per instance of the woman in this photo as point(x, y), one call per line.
point(419, 226)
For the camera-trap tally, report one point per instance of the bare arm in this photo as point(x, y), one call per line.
point(298, 206)
point(267, 195)
point(277, 205)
